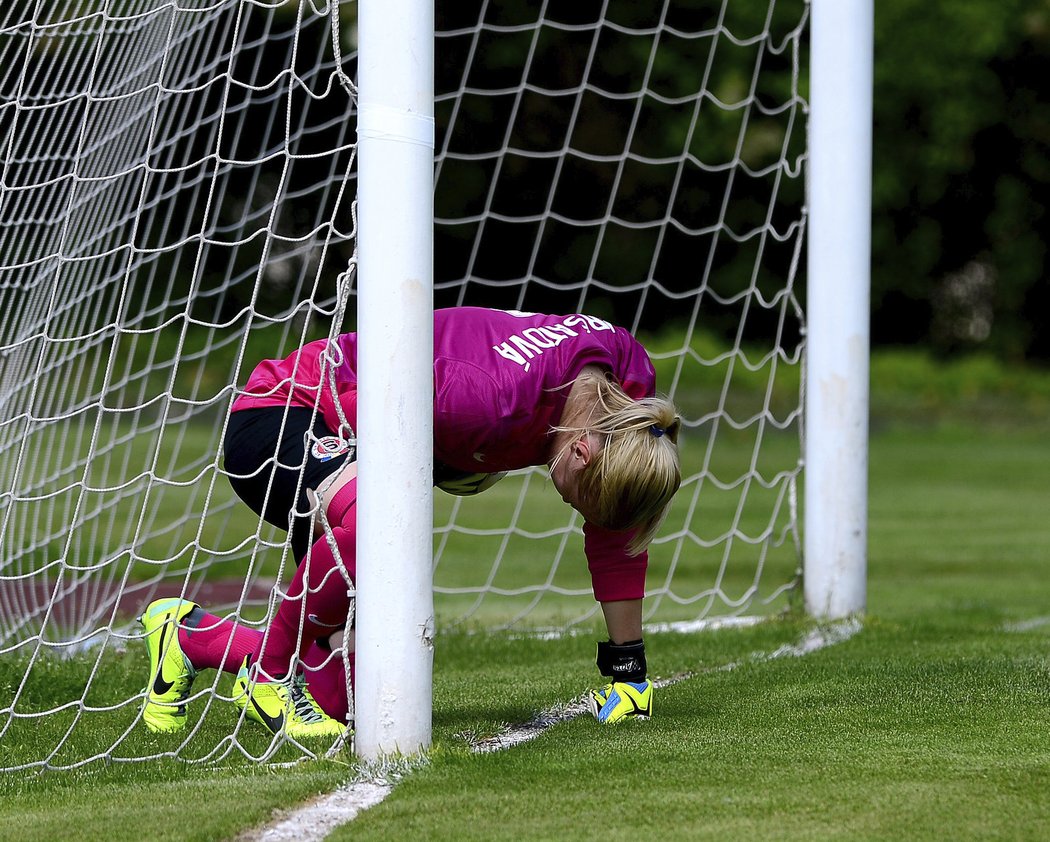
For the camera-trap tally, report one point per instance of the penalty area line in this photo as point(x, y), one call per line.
point(1027, 625)
point(315, 819)
point(813, 641)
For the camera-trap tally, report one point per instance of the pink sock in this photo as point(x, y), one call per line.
point(325, 603)
point(328, 683)
point(206, 643)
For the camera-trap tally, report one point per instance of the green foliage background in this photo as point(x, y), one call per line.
point(961, 174)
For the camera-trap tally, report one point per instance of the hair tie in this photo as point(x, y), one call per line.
point(657, 430)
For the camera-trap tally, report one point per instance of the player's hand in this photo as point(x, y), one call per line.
point(622, 700)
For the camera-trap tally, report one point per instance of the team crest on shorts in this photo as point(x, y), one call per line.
point(327, 448)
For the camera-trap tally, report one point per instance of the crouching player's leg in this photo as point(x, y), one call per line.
point(182, 639)
point(270, 686)
point(326, 676)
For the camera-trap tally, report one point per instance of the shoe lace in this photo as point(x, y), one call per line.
point(302, 702)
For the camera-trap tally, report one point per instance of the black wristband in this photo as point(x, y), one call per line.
point(622, 661)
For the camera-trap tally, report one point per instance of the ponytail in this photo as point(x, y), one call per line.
point(630, 481)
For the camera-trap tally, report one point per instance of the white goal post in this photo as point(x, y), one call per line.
point(839, 284)
point(395, 619)
point(188, 187)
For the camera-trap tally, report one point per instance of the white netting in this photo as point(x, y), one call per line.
point(176, 204)
point(644, 163)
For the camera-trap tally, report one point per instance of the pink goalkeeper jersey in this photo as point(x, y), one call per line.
point(500, 382)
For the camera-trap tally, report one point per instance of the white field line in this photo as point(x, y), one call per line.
point(514, 735)
point(1027, 625)
point(679, 626)
point(313, 821)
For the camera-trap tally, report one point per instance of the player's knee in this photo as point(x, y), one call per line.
point(337, 498)
point(341, 504)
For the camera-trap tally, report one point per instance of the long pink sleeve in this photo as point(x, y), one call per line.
point(615, 575)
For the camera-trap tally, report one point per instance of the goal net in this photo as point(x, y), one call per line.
point(177, 203)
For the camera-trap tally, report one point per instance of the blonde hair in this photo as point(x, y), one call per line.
point(631, 479)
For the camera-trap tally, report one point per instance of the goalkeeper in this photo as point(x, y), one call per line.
point(511, 390)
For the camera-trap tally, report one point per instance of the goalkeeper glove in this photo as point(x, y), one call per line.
point(622, 661)
point(629, 694)
point(621, 700)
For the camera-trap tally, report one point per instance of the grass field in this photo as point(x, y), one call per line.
point(932, 722)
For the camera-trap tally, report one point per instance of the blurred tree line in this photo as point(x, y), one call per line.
point(961, 166)
point(962, 175)
point(623, 158)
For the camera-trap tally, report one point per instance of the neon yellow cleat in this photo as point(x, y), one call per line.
point(622, 700)
point(171, 673)
point(283, 706)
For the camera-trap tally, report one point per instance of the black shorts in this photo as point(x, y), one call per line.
point(254, 438)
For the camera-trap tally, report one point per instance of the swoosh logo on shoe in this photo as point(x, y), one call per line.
point(317, 621)
point(160, 686)
point(274, 723)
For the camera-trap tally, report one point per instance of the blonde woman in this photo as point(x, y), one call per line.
point(511, 390)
